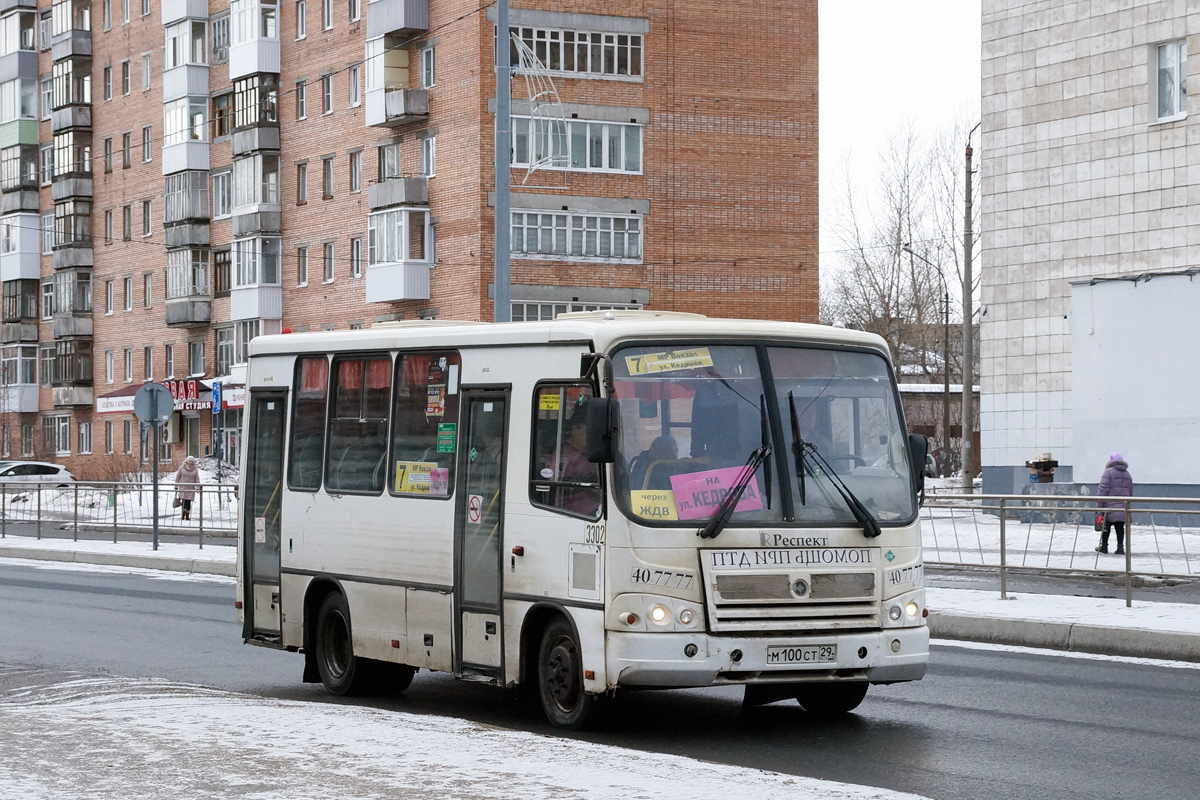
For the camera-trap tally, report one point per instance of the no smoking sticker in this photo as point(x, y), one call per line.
point(474, 508)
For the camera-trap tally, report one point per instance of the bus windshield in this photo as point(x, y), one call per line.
point(692, 416)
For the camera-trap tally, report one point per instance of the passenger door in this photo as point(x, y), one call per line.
point(260, 516)
point(479, 530)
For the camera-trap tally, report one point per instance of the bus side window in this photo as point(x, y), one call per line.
point(306, 450)
point(357, 451)
point(425, 431)
point(562, 478)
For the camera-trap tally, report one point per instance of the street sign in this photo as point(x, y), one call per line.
point(153, 404)
point(216, 391)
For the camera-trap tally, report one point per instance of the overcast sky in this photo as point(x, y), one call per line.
point(885, 61)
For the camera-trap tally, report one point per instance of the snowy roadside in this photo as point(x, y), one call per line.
point(120, 739)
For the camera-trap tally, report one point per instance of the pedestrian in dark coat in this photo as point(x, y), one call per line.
point(1115, 482)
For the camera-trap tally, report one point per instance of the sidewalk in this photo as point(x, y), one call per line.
point(1057, 622)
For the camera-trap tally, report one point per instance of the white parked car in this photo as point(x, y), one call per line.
point(16, 472)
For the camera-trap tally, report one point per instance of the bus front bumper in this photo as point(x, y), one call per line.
point(660, 659)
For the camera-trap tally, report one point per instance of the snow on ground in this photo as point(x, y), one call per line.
point(1105, 611)
point(120, 739)
point(1041, 651)
point(175, 550)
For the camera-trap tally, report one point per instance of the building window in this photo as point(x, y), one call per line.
point(146, 137)
point(107, 15)
point(1172, 80)
point(56, 434)
point(19, 365)
point(186, 196)
point(584, 146)
point(301, 184)
point(255, 101)
point(256, 261)
point(126, 150)
point(127, 433)
point(47, 85)
point(187, 43)
point(108, 153)
point(145, 8)
point(126, 77)
point(170, 359)
point(326, 94)
point(224, 350)
point(108, 366)
point(326, 14)
point(256, 180)
point(47, 301)
point(327, 178)
point(124, 12)
point(582, 53)
point(183, 120)
point(72, 222)
point(47, 234)
point(108, 226)
point(128, 285)
point(108, 83)
point(187, 273)
point(355, 10)
point(355, 78)
point(47, 162)
point(356, 171)
point(220, 38)
point(222, 278)
point(399, 235)
point(109, 295)
point(127, 354)
point(356, 257)
point(428, 151)
point(246, 331)
point(301, 100)
point(427, 67)
point(588, 236)
point(45, 30)
point(147, 290)
point(195, 358)
point(108, 437)
point(47, 356)
point(222, 115)
point(302, 266)
point(301, 21)
point(145, 72)
point(328, 248)
point(148, 363)
point(222, 198)
point(146, 216)
point(126, 223)
point(85, 438)
point(389, 161)
point(534, 312)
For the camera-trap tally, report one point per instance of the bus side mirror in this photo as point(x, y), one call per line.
point(918, 452)
point(602, 414)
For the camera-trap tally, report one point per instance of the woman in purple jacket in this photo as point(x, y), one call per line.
point(1115, 482)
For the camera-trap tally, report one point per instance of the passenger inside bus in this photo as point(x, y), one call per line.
point(663, 449)
point(572, 466)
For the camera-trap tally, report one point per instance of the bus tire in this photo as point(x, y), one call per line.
point(831, 698)
point(341, 672)
point(560, 678)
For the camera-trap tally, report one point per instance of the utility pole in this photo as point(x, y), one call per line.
point(946, 385)
point(968, 368)
point(502, 300)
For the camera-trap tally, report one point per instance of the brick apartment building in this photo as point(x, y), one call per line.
point(182, 175)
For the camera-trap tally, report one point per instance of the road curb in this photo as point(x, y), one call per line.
point(167, 564)
point(1066, 636)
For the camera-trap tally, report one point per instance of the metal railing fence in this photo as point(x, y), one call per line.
point(1056, 533)
point(119, 506)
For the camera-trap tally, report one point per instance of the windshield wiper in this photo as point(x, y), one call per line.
point(724, 511)
point(864, 517)
point(765, 443)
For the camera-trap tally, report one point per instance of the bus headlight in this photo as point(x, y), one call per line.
point(686, 616)
point(894, 613)
point(911, 609)
point(660, 613)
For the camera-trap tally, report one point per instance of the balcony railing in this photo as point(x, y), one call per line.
point(391, 107)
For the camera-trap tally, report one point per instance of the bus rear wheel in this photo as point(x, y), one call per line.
point(341, 672)
point(831, 698)
point(560, 678)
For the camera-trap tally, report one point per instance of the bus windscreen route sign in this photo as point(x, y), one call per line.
point(673, 361)
point(698, 494)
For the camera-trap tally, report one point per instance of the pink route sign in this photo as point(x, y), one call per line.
point(697, 494)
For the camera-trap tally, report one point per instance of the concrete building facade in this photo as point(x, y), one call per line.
point(1090, 230)
point(180, 176)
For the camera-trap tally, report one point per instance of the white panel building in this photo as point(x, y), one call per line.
point(1090, 171)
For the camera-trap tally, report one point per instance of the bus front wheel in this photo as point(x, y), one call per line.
point(340, 670)
point(560, 678)
point(831, 698)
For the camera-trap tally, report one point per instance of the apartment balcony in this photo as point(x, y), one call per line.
point(72, 324)
point(72, 396)
point(14, 200)
point(79, 185)
point(176, 10)
point(262, 218)
point(394, 107)
point(184, 80)
point(19, 64)
point(73, 254)
point(256, 55)
point(22, 254)
point(397, 16)
point(21, 398)
point(257, 137)
point(256, 302)
point(189, 310)
point(76, 115)
point(407, 191)
point(72, 44)
point(188, 298)
point(187, 234)
point(181, 156)
point(16, 332)
point(402, 280)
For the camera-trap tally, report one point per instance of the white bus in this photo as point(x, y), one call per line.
point(607, 500)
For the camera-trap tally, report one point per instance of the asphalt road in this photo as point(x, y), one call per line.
point(982, 724)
